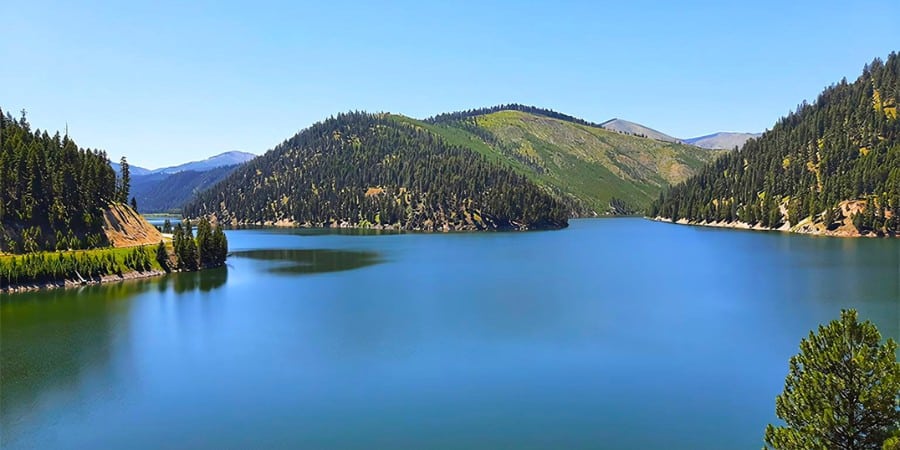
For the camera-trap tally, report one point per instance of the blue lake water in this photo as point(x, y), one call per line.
point(612, 333)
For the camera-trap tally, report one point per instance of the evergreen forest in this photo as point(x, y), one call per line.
point(360, 169)
point(833, 162)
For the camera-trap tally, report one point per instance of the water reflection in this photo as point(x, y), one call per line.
point(204, 281)
point(55, 342)
point(51, 340)
point(293, 262)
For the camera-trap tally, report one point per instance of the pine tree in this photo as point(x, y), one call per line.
point(204, 243)
point(162, 256)
point(842, 392)
point(178, 245)
point(125, 182)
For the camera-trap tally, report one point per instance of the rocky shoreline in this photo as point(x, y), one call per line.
point(805, 227)
point(69, 283)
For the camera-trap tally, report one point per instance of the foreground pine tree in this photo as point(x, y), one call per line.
point(842, 392)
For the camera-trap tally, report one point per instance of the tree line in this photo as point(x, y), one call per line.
point(81, 265)
point(365, 169)
point(462, 115)
point(844, 146)
point(208, 249)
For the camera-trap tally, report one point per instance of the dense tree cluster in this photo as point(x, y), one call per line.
point(52, 193)
point(79, 266)
point(208, 249)
point(845, 146)
point(362, 169)
point(462, 115)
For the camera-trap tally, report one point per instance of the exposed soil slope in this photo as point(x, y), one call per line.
point(124, 227)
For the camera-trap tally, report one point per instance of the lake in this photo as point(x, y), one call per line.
point(612, 333)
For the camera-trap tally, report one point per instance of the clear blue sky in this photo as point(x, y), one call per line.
point(166, 82)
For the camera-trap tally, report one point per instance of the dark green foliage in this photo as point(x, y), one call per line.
point(78, 266)
point(893, 442)
point(52, 194)
point(842, 392)
point(162, 256)
point(218, 246)
point(845, 146)
point(363, 169)
point(167, 226)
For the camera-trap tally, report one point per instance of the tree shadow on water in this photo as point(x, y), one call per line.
point(204, 280)
point(311, 261)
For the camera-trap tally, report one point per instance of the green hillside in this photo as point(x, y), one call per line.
point(597, 170)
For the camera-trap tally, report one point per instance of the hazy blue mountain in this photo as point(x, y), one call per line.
point(167, 192)
point(133, 170)
point(166, 189)
point(722, 140)
point(220, 160)
point(624, 126)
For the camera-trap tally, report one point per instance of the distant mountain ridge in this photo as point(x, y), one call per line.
point(221, 160)
point(167, 192)
point(722, 140)
point(624, 126)
point(168, 188)
point(133, 170)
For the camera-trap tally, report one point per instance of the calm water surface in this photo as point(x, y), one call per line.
point(611, 334)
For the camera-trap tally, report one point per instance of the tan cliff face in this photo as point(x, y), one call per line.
point(124, 227)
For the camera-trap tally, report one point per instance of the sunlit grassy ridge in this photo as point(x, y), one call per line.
point(587, 163)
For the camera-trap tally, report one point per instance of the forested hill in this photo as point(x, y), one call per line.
point(830, 167)
point(360, 169)
point(597, 171)
point(52, 193)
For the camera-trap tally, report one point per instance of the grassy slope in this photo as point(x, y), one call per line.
point(589, 163)
point(118, 253)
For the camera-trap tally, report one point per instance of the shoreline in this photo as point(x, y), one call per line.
point(804, 229)
point(69, 283)
point(345, 225)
